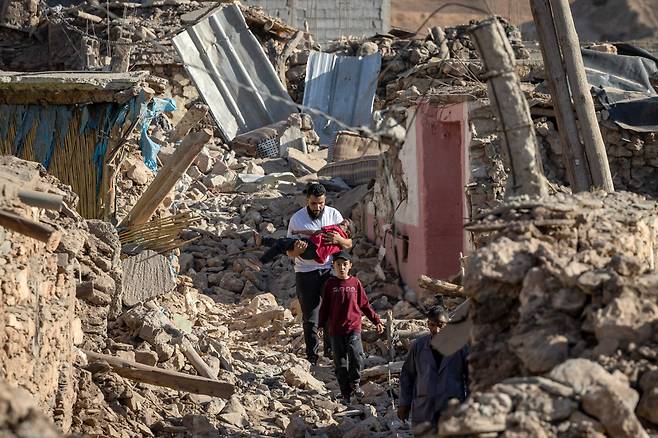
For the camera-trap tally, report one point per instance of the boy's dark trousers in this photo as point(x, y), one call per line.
point(280, 246)
point(348, 361)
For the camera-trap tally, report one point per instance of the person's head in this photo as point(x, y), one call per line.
point(316, 196)
point(346, 225)
point(342, 265)
point(437, 318)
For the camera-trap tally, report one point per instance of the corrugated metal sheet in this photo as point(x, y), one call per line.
point(232, 73)
point(343, 87)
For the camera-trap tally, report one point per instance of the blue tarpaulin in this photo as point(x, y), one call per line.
point(148, 147)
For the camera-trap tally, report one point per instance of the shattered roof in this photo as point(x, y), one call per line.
point(69, 87)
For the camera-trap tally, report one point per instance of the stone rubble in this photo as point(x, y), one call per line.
point(245, 324)
point(565, 316)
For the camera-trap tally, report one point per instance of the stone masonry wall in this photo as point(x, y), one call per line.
point(53, 299)
point(37, 308)
point(633, 158)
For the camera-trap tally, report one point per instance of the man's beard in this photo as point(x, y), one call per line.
point(313, 214)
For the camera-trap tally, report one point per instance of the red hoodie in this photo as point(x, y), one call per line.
point(343, 302)
point(323, 251)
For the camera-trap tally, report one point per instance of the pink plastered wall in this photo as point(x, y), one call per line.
point(428, 231)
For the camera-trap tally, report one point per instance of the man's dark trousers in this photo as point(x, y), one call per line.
point(348, 360)
point(309, 292)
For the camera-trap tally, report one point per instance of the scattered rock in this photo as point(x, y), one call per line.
point(299, 378)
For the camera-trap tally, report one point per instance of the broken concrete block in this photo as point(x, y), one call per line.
point(648, 406)
point(254, 169)
point(614, 413)
point(264, 318)
point(194, 172)
point(230, 281)
point(296, 428)
point(263, 302)
point(165, 153)
point(87, 292)
point(146, 275)
point(204, 161)
point(220, 167)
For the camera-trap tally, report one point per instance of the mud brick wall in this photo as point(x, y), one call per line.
point(633, 156)
point(37, 316)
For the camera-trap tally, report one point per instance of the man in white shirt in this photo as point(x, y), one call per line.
point(309, 274)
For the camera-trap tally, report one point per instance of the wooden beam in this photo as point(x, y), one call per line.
point(161, 377)
point(440, 286)
point(87, 16)
point(574, 157)
point(49, 201)
point(190, 119)
point(597, 156)
point(36, 230)
point(195, 359)
point(33, 198)
point(166, 178)
point(515, 127)
point(289, 47)
point(382, 370)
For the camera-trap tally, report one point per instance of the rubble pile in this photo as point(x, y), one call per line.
point(253, 345)
point(20, 416)
point(444, 58)
point(565, 317)
point(247, 336)
point(43, 318)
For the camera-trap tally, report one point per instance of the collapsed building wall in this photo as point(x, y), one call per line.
point(37, 309)
point(53, 299)
point(566, 288)
point(632, 157)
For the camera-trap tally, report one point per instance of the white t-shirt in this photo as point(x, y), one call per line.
point(302, 221)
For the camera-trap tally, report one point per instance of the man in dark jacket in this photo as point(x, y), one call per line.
point(428, 379)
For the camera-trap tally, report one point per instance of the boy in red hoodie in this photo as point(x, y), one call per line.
point(343, 302)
